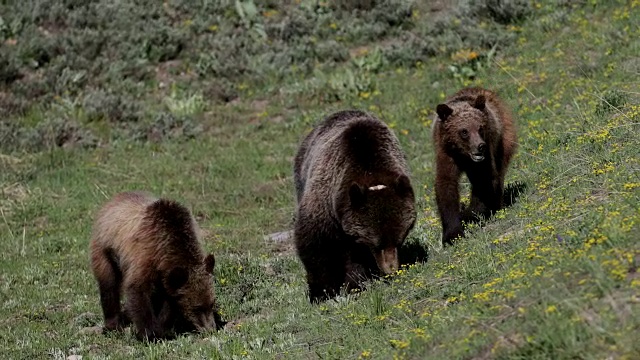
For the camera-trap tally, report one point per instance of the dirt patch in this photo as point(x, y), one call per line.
point(439, 7)
point(281, 242)
point(170, 72)
point(9, 104)
point(633, 272)
point(632, 65)
point(268, 188)
point(12, 195)
point(364, 50)
point(260, 113)
point(91, 330)
point(504, 343)
point(259, 105)
point(8, 160)
point(279, 237)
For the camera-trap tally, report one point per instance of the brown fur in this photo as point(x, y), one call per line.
point(149, 249)
point(348, 228)
point(473, 123)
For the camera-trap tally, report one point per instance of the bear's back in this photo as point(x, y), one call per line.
point(344, 144)
point(138, 227)
point(120, 218)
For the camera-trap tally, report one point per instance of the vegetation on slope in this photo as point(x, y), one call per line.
point(205, 103)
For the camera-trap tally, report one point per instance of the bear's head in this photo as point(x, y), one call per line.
point(380, 216)
point(463, 127)
point(191, 289)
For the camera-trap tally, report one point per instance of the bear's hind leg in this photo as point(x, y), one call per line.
point(109, 278)
point(486, 199)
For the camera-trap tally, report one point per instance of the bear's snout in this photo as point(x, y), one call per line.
point(387, 260)
point(205, 322)
point(478, 154)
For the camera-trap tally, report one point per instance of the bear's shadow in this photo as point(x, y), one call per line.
point(412, 251)
point(509, 197)
point(512, 192)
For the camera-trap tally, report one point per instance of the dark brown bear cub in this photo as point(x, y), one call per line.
point(355, 202)
point(149, 249)
point(473, 133)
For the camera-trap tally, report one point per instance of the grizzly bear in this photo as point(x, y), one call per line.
point(355, 202)
point(148, 248)
point(473, 133)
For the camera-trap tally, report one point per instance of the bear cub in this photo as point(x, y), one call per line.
point(148, 248)
point(355, 202)
point(474, 133)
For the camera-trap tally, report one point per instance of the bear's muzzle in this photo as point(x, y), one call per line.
point(387, 260)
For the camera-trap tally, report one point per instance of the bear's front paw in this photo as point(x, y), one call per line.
point(470, 216)
point(451, 235)
point(117, 323)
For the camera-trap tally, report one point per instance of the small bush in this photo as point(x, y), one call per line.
point(410, 50)
point(48, 134)
point(101, 105)
point(35, 50)
point(346, 84)
point(182, 104)
point(351, 5)
point(222, 90)
point(504, 11)
point(12, 105)
point(163, 126)
point(161, 45)
point(610, 101)
point(8, 70)
point(331, 51)
point(392, 12)
point(296, 25)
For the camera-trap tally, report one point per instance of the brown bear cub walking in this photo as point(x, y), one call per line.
point(355, 205)
point(149, 249)
point(473, 133)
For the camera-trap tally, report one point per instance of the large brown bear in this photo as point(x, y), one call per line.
point(149, 248)
point(355, 205)
point(473, 133)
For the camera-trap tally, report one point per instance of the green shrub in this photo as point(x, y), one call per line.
point(503, 11)
point(610, 101)
point(8, 70)
point(48, 134)
point(101, 105)
point(162, 127)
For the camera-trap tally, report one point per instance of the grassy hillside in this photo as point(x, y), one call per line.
point(205, 102)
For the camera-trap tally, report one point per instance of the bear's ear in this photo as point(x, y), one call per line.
point(480, 102)
point(443, 111)
point(403, 185)
point(176, 279)
point(209, 263)
point(357, 195)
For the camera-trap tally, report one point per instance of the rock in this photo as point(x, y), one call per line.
point(91, 330)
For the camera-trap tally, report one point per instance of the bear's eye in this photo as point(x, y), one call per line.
point(464, 133)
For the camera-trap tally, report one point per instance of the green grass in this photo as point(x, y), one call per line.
point(555, 276)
